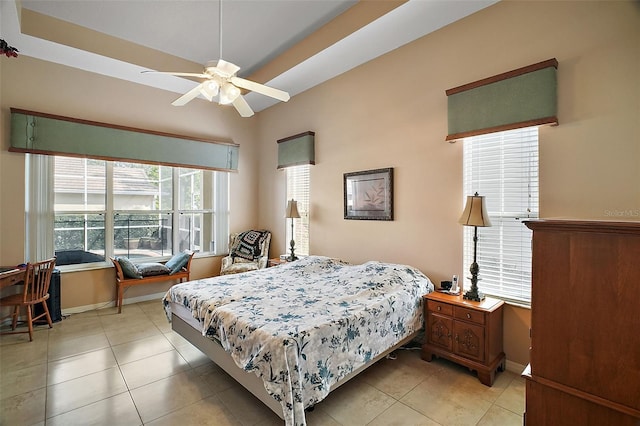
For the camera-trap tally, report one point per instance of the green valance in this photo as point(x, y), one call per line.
point(520, 98)
point(41, 133)
point(296, 150)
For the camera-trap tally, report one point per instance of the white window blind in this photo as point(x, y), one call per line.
point(298, 189)
point(504, 168)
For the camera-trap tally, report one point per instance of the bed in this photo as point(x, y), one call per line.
point(290, 334)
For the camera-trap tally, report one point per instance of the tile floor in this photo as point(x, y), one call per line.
point(101, 368)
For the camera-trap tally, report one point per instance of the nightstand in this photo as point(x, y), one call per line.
point(466, 332)
point(276, 261)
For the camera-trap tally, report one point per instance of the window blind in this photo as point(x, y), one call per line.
point(504, 168)
point(298, 189)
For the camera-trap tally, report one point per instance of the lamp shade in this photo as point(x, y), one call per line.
point(292, 210)
point(475, 212)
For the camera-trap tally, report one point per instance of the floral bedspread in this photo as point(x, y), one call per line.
point(303, 326)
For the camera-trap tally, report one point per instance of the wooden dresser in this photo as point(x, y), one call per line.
point(585, 324)
point(466, 332)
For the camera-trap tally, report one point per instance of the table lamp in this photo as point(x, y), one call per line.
point(292, 213)
point(474, 214)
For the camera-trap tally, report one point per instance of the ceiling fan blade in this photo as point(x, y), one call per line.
point(260, 88)
point(227, 67)
point(188, 96)
point(179, 74)
point(243, 107)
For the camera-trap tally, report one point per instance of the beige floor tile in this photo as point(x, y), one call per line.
point(132, 308)
point(80, 365)
point(193, 355)
point(467, 382)
point(393, 377)
point(24, 409)
point(16, 382)
point(130, 331)
point(40, 332)
point(214, 376)
point(144, 371)
point(498, 416)
point(513, 397)
point(66, 345)
point(143, 348)
point(356, 403)
point(207, 411)
point(316, 417)
point(24, 354)
point(116, 410)
point(444, 397)
point(413, 358)
point(164, 396)
point(401, 415)
point(77, 326)
point(76, 393)
point(124, 320)
point(163, 325)
point(150, 305)
point(176, 339)
point(245, 407)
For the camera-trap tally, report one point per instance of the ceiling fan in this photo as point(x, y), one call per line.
point(220, 80)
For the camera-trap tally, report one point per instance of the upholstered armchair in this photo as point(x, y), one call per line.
point(248, 251)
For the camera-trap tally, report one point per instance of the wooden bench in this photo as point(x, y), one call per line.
point(123, 282)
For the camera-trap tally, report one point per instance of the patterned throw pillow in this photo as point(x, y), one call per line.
point(248, 245)
point(177, 262)
point(129, 269)
point(151, 269)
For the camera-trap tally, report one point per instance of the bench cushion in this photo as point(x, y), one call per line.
point(177, 262)
point(152, 269)
point(129, 269)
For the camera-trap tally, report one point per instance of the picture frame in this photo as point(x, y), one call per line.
point(368, 195)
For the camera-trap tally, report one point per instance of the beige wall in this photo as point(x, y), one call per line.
point(42, 86)
point(392, 112)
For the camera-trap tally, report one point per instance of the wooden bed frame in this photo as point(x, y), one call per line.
point(183, 323)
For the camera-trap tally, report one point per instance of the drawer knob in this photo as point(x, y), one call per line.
point(439, 308)
point(468, 315)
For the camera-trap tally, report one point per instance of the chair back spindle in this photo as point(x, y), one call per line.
point(37, 281)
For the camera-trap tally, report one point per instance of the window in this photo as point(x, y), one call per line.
point(504, 168)
point(111, 208)
point(298, 189)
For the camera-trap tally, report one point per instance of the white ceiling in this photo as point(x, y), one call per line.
point(254, 32)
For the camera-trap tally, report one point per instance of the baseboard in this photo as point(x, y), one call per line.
point(127, 301)
point(514, 367)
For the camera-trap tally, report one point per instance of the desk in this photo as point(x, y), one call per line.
point(11, 277)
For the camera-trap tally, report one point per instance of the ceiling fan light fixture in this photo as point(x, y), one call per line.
point(210, 89)
point(228, 93)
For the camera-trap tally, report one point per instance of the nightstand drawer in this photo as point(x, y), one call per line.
point(438, 307)
point(469, 315)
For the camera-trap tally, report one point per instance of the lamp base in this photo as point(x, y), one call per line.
point(476, 296)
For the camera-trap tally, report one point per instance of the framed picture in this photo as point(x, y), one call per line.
point(368, 195)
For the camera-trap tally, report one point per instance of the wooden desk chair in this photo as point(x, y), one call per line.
point(36, 290)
